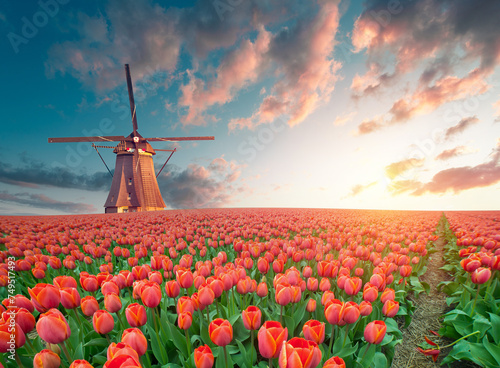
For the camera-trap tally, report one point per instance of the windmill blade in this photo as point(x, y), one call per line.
point(177, 139)
point(109, 138)
point(131, 98)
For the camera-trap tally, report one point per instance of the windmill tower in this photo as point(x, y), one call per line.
point(134, 187)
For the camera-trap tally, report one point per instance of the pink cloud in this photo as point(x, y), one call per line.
point(307, 73)
point(453, 152)
point(238, 69)
point(461, 126)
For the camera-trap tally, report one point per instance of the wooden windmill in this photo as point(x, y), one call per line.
point(134, 187)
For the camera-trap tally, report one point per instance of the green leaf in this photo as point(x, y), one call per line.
point(495, 327)
point(379, 360)
point(97, 342)
point(481, 324)
point(482, 356)
point(221, 361)
point(158, 349)
point(366, 355)
point(243, 352)
point(178, 339)
point(494, 350)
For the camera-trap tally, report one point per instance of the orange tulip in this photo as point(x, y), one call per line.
point(206, 295)
point(80, 363)
point(387, 294)
point(283, 294)
point(112, 303)
point(311, 305)
point(52, 327)
point(375, 332)
point(220, 331)
point(352, 285)
point(44, 297)
point(46, 359)
point(271, 336)
point(299, 353)
point(103, 322)
point(370, 292)
point(365, 308)
point(312, 284)
point(262, 290)
point(334, 362)
point(70, 298)
point(390, 308)
point(136, 339)
point(325, 284)
point(184, 277)
point(251, 318)
point(350, 312)
point(333, 310)
point(185, 304)
point(110, 287)
point(64, 282)
point(185, 320)
point(19, 301)
point(203, 357)
point(314, 331)
point(136, 315)
point(89, 305)
point(89, 282)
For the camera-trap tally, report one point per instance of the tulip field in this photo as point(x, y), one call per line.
point(243, 288)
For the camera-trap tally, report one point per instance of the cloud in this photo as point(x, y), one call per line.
point(456, 179)
point(34, 173)
point(196, 186)
point(432, 37)
point(398, 168)
point(369, 126)
point(461, 126)
point(239, 68)
point(453, 152)
point(306, 71)
point(357, 189)
point(344, 118)
point(42, 201)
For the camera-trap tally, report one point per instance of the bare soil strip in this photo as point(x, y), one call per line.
point(429, 309)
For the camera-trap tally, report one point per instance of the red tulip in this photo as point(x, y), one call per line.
point(185, 304)
point(314, 331)
point(206, 295)
point(110, 287)
point(53, 327)
point(350, 312)
point(6, 331)
point(44, 297)
point(480, 275)
point(103, 322)
point(136, 315)
point(283, 294)
point(365, 308)
point(46, 359)
point(172, 289)
point(19, 301)
point(112, 303)
point(334, 362)
point(151, 294)
point(70, 298)
point(434, 353)
point(251, 318)
point(184, 277)
point(271, 336)
point(89, 282)
point(299, 353)
point(220, 331)
point(89, 305)
point(387, 294)
point(375, 332)
point(136, 339)
point(325, 284)
point(121, 348)
point(64, 282)
point(122, 361)
point(262, 289)
point(370, 292)
point(353, 285)
point(22, 316)
point(203, 357)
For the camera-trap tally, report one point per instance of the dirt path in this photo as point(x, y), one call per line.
point(429, 308)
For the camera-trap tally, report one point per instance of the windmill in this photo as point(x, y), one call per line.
point(134, 186)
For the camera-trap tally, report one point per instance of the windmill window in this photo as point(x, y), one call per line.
point(112, 199)
point(129, 197)
point(129, 181)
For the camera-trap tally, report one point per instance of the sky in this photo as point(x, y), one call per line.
point(374, 104)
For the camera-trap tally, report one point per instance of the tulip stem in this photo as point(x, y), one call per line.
point(188, 344)
point(463, 337)
point(18, 361)
point(107, 338)
point(30, 345)
point(346, 333)
point(331, 340)
point(252, 337)
point(225, 356)
point(120, 320)
point(475, 300)
point(217, 306)
point(63, 346)
point(366, 351)
point(270, 362)
point(208, 316)
point(76, 316)
point(281, 316)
